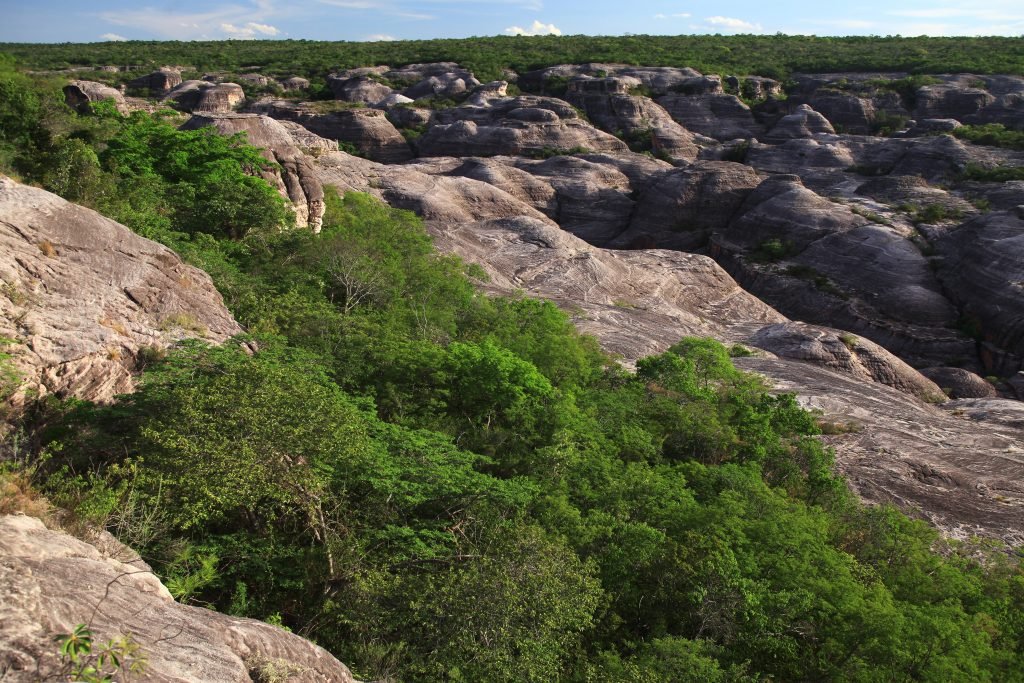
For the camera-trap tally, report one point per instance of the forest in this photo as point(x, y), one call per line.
point(435, 484)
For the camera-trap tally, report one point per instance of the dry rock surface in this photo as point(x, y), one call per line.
point(656, 202)
point(81, 295)
point(51, 582)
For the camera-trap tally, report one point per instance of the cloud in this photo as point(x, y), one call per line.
point(352, 4)
point(677, 15)
point(536, 29)
point(242, 18)
point(377, 37)
point(113, 37)
point(250, 30)
point(732, 24)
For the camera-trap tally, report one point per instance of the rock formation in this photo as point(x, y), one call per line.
point(51, 582)
point(296, 178)
point(82, 296)
point(207, 98)
point(80, 94)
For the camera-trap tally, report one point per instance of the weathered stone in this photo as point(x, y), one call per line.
point(158, 83)
point(516, 125)
point(845, 353)
point(803, 123)
point(960, 383)
point(368, 130)
point(949, 102)
point(206, 98)
point(82, 294)
point(295, 83)
point(845, 111)
point(358, 89)
point(79, 95)
point(51, 582)
point(982, 267)
point(294, 176)
point(720, 116)
point(683, 205)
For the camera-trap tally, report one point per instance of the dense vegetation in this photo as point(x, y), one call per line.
point(439, 485)
point(776, 55)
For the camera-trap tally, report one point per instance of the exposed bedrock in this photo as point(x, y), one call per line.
point(205, 97)
point(368, 130)
point(82, 295)
point(718, 116)
point(960, 383)
point(638, 120)
point(51, 582)
point(80, 95)
point(525, 125)
point(982, 268)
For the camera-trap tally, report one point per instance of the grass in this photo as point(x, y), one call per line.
point(182, 321)
point(47, 249)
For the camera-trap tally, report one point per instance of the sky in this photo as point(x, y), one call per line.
point(101, 20)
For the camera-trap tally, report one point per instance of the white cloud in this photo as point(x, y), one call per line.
point(677, 15)
point(352, 4)
point(245, 17)
point(250, 30)
point(733, 24)
point(536, 29)
point(113, 37)
point(376, 37)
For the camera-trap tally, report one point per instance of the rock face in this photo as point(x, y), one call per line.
point(983, 269)
point(514, 125)
point(158, 83)
point(960, 383)
point(51, 582)
point(719, 116)
point(296, 179)
point(80, 94)
point(368, 130)
point(845, 353)
point(358, 89)
point(636, 119)
point(207, 98)
point(82, 295)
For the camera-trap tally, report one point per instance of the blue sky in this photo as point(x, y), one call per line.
point(96, 20)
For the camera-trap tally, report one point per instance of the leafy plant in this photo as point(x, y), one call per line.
point(84, 660)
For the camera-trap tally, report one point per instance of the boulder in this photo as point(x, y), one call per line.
point(295, 83)
point(642, 123)
point(79, 95)
point(960, 383)
point(950, 102)
point(158, 83)
point(358, 89)
point(51, 582)
point(82, 295)
point(803, 123)
point(845, 111)
point(207, 98)
point(846, 353)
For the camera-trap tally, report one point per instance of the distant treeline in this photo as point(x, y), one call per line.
point(776, 56)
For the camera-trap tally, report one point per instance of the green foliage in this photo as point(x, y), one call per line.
point(998, 174)
point(992, 134)
point(84, 660)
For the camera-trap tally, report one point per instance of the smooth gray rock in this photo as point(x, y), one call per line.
point(83, 294)
point(51, 582)
point(802, 123)
point(718, 116)
point(960, 383)
point(158, 83)
point(206, 98)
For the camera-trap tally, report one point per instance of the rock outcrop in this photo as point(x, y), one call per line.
point(82, 295)
point(51, 582)
point(522, 125)
point(158, 83)
point(207, 98)
point(79, 95)
point(368, 130)
point(294, 177)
